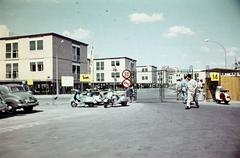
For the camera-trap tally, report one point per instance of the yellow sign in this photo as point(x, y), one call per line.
point(86, 78)
point(30, 82)
point(214, 76)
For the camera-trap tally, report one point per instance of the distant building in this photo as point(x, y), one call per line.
point(107, 72)
point(37, 57)
point(146, 76)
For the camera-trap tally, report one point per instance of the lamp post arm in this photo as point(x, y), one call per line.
point(219, 44)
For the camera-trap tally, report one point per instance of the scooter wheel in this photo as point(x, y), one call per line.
point(73, 104)
point(226, 102)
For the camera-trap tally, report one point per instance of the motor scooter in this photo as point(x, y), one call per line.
point(221, 95)
point(82, 99)
point(113, 98)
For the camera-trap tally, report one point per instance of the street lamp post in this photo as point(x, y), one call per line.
point(219, 44)
point(115, 78)
point(57, 86)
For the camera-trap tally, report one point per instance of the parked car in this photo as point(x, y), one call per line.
point(16, 97)
point(3, 105)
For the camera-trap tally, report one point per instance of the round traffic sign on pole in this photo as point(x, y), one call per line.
point(126, 74)
point(126, 83)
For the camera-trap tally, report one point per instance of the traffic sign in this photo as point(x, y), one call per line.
point(126, 74)
point(86, 78)
point(126, 83)
point(214, 76)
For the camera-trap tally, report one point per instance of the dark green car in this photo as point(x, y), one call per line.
point(17, 97)
point(3, 106)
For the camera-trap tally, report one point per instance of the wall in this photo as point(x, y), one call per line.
point(232, 83)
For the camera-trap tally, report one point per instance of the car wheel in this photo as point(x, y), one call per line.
point(10, 108)
point(73, 104)
point(28, 109)
point(226, 102)
point(124, 104)
point(218, 101)
point(91, 104)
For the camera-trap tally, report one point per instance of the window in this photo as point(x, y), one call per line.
point(117, 63)
point(146, 77)
point(146, 69)
point(12, 70)
point(117, 74)
point(100, 76)
point(113, 63)
point(15, 70)
point(11, 50)
point(32, 66)
point(8, 71)
point(73, 53)
point(36, 45)
point(15, 50)
point(8, 47)
point(78, 54)
point(73, 69)
point(32, 45)
point(100, 65)
point(78, 69)
point(39, 44)
point(8, 50)
point(97, 66)
point(40, 66)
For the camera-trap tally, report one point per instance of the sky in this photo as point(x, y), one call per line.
point(154, 32)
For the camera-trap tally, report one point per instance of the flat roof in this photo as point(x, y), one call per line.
point(41, 35)
point(115, 58)
point(147, 66)
point(224, 70)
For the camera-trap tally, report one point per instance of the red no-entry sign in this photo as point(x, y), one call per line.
point(126, 83)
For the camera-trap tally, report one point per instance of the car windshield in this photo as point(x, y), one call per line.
point(17, 89)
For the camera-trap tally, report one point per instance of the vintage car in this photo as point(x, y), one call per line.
point(3, 105)
point(16, 97)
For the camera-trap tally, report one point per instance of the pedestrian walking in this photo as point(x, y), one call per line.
point(129, 93)
point(191, 92)
point(178, 89)
point(184, 88)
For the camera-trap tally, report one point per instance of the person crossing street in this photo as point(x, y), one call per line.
point(191, 92)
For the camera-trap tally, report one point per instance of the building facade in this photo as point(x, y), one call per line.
point(107, 72)
point(146, 76)
point(40, 60)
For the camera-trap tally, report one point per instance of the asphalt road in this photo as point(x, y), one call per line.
point(156, 130)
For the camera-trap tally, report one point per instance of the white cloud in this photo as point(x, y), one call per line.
point(175, 31)
point(79, 33)
point(4, 31)
point(231, 52)
point(138, 18)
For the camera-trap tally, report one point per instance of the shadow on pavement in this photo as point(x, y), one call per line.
point(18, 113)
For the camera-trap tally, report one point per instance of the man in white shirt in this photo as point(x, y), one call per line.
point(192, 92)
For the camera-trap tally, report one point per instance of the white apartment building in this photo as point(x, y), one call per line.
point(43, 58)
point(146, 76)
point(107, 72)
